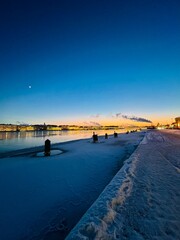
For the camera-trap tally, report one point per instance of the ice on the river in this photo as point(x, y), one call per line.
point(43, 198)
point(143, 199)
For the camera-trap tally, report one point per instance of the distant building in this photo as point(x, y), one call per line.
point(25, 128)
point(151, 127)
point(8, 128)
point(53, 128)
point(177, 122)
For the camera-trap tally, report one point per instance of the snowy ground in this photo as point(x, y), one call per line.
point(143, 199)
point(43, 198)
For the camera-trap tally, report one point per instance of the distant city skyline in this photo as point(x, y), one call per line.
point(101, 121)
point(74, 62)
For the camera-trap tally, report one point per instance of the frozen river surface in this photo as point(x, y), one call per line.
point(44, 197)
point(10, 141)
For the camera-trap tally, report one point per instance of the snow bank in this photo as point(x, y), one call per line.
point(143, 199)
point(103, 212)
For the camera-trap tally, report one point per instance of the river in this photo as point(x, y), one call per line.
point(10, 141)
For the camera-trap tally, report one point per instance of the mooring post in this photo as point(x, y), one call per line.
point(47, 148)
point(95, 137)
point(115, 134)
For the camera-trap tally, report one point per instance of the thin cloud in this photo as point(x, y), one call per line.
point(95, 116)
point(136, 119)
point(118, 115)
point(91, 123)
point(86, 123)
point(95, 123)
point(22, 123)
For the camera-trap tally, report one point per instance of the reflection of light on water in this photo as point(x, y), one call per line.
point(19, 140)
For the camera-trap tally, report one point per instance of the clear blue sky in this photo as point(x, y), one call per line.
point(85, 58)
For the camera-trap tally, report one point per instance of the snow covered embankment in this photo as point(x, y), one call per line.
point(143, 199)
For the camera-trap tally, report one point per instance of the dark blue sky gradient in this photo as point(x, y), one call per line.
point(87, 57)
